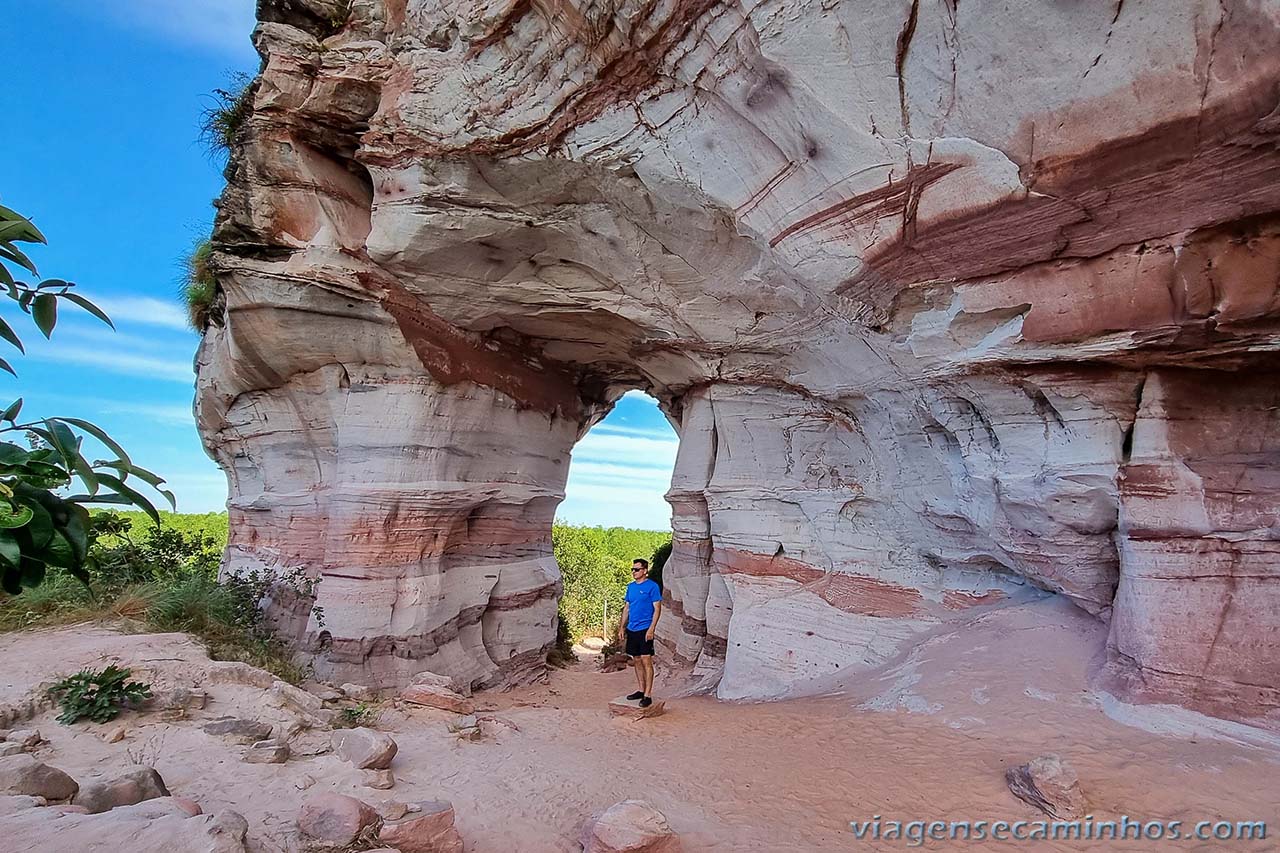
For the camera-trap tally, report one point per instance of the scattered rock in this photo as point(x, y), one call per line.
point(466, 727)
point(430, 830)
point(179, 698)
point(1049, 784)
point(304, 782)
point(437, 691)
point(14, 803)
point(26, 738)
point(173, 716)
point(4, 734)
point(382, 780)
point(393, 810)
point(623, 707)
point(135, 786)
point(359, 692)
point(268, 752)
point(335, 819)
point(615, 662)
point(7, 748)
point(147, 827)
point(365, 748)
point(595, 644)
point(631, 826)
point(323, 692)
point(189, 806)
point(242, 731)
point(22, 774)
point(115, 735)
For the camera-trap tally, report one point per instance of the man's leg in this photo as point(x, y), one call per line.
point(638, 664)
point(647, 663)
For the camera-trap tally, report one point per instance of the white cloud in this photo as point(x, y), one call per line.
point(169, 414)
point(224, 25)
point(144, 310)
point(114, 361)
point(628, 450)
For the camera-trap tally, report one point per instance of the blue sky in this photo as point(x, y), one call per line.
point(101, 105)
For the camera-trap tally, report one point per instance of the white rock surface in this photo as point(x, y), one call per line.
point(935, 294)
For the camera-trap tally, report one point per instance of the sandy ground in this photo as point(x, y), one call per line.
point(927, 738)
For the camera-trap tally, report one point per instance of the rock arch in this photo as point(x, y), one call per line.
point(944, 324)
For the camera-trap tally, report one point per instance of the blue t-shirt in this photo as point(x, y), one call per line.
point(641, 597)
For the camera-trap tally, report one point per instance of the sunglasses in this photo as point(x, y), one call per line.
point(633, 571)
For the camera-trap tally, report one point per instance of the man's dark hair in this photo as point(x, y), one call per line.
point(642, 561)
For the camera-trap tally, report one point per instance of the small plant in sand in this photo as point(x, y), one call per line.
point(363, 714)
point(100, 696)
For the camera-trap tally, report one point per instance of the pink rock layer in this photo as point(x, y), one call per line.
point(1003, 325)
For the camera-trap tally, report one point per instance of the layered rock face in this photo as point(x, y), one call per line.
point(952, 305)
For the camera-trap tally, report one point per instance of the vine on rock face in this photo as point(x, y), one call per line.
point(41, 527)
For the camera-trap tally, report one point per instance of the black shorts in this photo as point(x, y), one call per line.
point(637, 645)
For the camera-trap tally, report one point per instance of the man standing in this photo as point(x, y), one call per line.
point(639, 618)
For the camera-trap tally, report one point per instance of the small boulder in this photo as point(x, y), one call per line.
point(335, 819)
point(359, 692)
point(189, 806)
point(429, 829)
point(26, 738)
point(631, 826)
point(466, 728)
point(382, 780)
point(364, 748)
point(267, 752)
point(7, 748)
point(22, 774)
point(247, 732)
point(624, 707)
point(615, 662)
point(323, 692)
point(179, 698)
point(1049, 784)
point(437, 691)
point(115, 735)
point(100, 795)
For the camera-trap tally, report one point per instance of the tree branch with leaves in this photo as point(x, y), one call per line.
point(41, 525)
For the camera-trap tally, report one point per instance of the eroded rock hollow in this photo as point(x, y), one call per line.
point(952, 304)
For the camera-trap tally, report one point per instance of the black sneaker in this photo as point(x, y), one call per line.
point(646, 702)
point(639, 694)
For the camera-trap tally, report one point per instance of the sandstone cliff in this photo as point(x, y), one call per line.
point(953, 304)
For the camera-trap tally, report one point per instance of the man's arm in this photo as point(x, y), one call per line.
point(657, 611)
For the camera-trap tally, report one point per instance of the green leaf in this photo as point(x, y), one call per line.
point(101, 498)
point(10, 252)
point(8, 213)
point(12, 454)
point(11, 414)
point(4, 365)
point(40, 528)
point(64, 440)
point(6, 279)
point(10, 551)
point(59, 552)
point(12, 517)
point(8, 334)
point(101, 435)
point(77, 532)
point(90, 307)
point(134, 497)
point(45, 312)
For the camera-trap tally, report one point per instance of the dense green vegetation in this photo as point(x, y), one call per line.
point(596, 564)
point(160, 578)
point(43, 527)
point(199, 285)
point(165, 579)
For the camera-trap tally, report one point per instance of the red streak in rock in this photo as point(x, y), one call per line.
point(850, 593)
point(889, 200)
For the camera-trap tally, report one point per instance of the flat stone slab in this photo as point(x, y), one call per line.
point(622, 707)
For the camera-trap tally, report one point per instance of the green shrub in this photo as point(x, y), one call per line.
point(222, 120)
point(100, 696)
point(199, 285)
point(363, 714)
point(658, 562)
point(595, 563)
